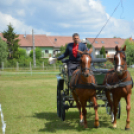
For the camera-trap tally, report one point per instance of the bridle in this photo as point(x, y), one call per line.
point(116, 65)
point(84, 69)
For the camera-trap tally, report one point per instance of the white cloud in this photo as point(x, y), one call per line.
point(19, 26)
point(7, 2)
point(96, 5)
point(63, 17)
point(21, 12)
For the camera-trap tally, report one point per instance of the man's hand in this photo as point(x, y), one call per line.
point(52, 60)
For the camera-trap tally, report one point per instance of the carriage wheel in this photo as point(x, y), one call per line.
point(63, 113)
point(118, 111)
point(58, 102)
point(108, 109)
point(62, 109)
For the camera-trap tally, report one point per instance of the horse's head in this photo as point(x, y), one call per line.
point(120, 60)
point(85, 62)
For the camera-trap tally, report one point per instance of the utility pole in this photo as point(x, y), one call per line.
point(34, 54)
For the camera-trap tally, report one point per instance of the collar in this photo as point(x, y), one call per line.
point(76, 44)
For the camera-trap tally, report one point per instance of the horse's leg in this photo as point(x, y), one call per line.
point(84, 112)
point(115, 102)
point(96, 123)
point(128, 108)
point(110, 103)
point(78, 106)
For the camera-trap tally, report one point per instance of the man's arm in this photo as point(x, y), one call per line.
point(65, 54)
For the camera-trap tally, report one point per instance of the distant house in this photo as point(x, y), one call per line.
point(108, 43)
point(50, 45)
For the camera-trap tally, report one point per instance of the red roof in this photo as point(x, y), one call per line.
point(2, 37)
point(39, 40)
point(58, 41)
point(107, 42)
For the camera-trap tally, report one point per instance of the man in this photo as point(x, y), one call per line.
point(84, 41)
point(71, 51)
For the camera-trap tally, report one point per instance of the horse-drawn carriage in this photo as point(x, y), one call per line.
point(90, 84)
point(64, 95)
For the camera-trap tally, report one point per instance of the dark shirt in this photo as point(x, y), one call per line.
point(68, 52)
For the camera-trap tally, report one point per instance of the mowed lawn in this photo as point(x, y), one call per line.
point(29, 107)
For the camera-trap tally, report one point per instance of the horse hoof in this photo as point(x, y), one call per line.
point(96, 126)
point(114, 126)
point(127, 128)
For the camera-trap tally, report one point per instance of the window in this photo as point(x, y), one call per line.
point(102, 42)
point(116, 42)
point(96, 42)
point(46, 51)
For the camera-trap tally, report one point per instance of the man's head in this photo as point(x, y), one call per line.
point(76, 38)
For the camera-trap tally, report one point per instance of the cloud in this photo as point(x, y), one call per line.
point(19, 26)
point(62, 17)
point(21, 12)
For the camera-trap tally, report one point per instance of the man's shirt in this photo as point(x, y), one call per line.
point(74, 49)
point(69, 52)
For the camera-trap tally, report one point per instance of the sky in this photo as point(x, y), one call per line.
point(65, 17)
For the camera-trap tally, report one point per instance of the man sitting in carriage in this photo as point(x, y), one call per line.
point(74, 56)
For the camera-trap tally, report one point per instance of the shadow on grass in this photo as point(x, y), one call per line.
point(53, 123)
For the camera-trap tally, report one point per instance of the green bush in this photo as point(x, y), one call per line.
point(103, 52)
point(129, 51)
point(37, 53)
point(22, 52)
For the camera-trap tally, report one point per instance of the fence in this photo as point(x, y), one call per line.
point(42, 67)
point(18, 67)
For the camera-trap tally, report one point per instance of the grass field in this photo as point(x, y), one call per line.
point(29, 107)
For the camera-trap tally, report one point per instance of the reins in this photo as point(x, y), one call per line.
point(84, 69)
point(123, 66)
point(121, 81)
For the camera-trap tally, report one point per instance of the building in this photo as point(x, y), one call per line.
point(108, 43)
point(50, 44)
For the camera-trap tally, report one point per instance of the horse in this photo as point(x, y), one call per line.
point(120, 75)
point(81, 95)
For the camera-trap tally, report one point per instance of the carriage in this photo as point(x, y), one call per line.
point(64, 95)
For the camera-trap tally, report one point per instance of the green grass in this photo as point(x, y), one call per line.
point(29, 107)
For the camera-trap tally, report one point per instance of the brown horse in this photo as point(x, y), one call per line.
point(81, 95)
point(120, 75)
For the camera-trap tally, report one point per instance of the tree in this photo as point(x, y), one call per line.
point(129, 51)
point(62, 50)
point(12, 41)
point(103, 52)
point(3, 51)
point(89, 46)
point(22, 52)
point(38, 53)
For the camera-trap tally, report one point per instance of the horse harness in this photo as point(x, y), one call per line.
point(124, 59)
point(120, 83)
point(84, 84)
